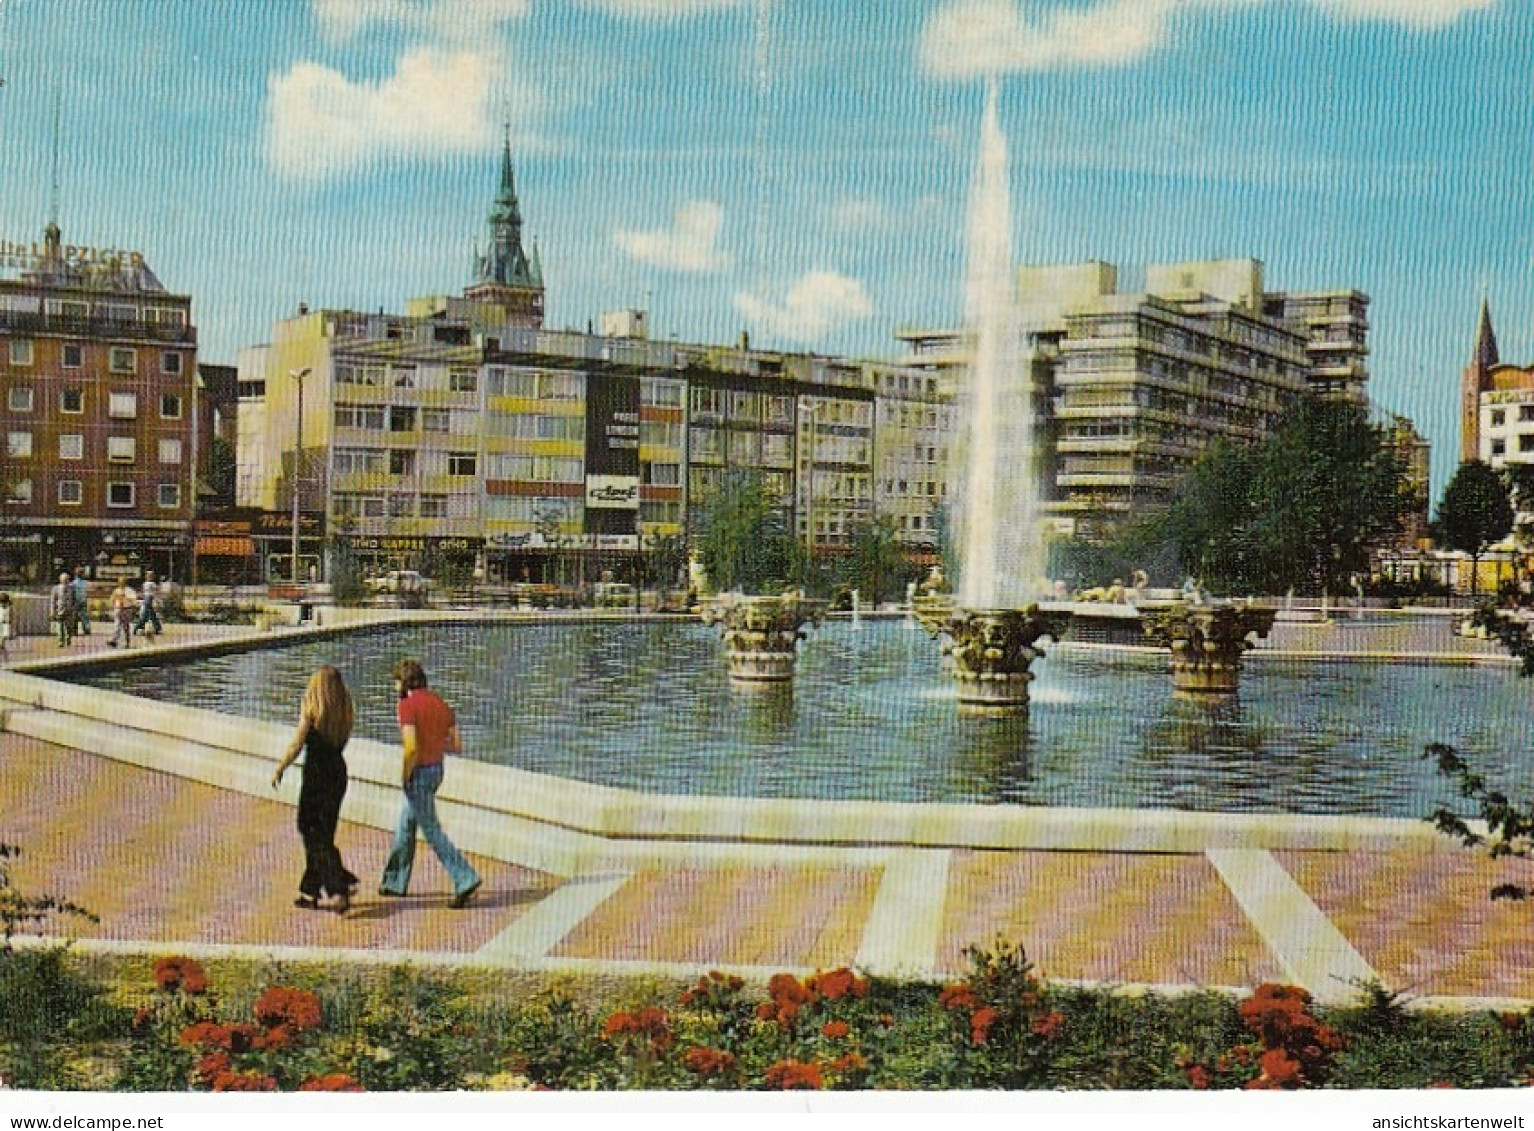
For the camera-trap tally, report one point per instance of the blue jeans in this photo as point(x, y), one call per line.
point(146, 614)
point(420, 811)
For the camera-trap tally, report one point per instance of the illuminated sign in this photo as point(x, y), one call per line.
point(612, 492)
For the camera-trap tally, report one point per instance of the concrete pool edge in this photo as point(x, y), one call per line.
point(567, 827)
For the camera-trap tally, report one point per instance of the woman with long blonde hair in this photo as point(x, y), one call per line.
point(324, 726)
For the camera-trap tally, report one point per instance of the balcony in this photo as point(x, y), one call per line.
point(57, 325)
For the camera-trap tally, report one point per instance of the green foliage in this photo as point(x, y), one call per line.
point(346, 581)
point(1475, 511)
point(876, 563)
point(19, 911)
point(745, 539)
point(1300, 511)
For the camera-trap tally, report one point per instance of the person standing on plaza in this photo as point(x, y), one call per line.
point(149, 595)
point(123, 603)
point(82, 601)
point(5, 628)
point(324, 726)
point(62, 609)
point(428, 731)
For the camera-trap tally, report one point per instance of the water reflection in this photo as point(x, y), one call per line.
point(870, 715)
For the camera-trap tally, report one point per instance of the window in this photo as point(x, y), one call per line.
point(170, 406)
point(19, 491)
point(463, 381)
point(665, 474)
point(401, 463)
point(1499, 447)
point(119, 494)
point(358, 461)
point(74, 355)
point(124, 360)
point(72, 400)
point(460, 463)
point(123, 406)
point(401, 419)
point(21, 351)
point(434, 419)
point(401, 506)
point(121, 449)
point(71, 492)
point(18, 445)
point(170, 362)
point(20, 399)
point(433, 506)
point(1498, 418)
point(359, 416)
point(71, 446)
point(170, 495)
point(1526, 412)
point(403, 378)
point(170, 451)
point(1526, 443)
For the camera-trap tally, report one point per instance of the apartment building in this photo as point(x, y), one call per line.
point(99, 365)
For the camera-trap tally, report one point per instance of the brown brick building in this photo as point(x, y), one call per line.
point(99, 366)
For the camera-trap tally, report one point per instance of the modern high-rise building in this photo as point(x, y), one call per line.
point(465, 428)
point(1130, 389)
point(99, 363)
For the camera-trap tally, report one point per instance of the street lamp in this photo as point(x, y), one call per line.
point(298, 375)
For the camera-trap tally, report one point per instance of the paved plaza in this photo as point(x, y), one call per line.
point(173, 863)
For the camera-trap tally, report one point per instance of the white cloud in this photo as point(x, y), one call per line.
point(435, 104)
point(457, 20)
point(660, 9)
point(860, 214)
point(817, 304)
point(966, 38)
point(1411, 13)
point(691, 244)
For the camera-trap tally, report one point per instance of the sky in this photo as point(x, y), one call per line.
point(798, 169)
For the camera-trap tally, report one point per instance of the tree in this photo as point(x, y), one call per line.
point(345, 568)
point(665, 557)
point(876, 564)
point(744, 540)
point(1475, 511)
point(1302, 510)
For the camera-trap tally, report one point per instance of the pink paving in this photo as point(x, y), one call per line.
point(1102, 915)
point(157, 857)
point(1426, 922)
point(732, 916)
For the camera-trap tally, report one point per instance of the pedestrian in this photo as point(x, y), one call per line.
point(62, 609)
point(5, 627)
point(428, 731)
point(82, 601)
point(123, 603)
point(148, 614)
point(324, 725)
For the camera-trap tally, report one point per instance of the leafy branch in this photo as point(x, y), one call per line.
point(19, 911)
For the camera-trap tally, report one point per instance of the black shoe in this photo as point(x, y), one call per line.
point(462, 898)
point(307, 902)
point(343, 903)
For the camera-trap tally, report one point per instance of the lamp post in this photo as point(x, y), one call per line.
point(298, 375)
point(809, 503)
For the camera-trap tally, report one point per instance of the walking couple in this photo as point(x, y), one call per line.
point(428, 730)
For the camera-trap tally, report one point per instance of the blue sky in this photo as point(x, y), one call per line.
point(798, 168)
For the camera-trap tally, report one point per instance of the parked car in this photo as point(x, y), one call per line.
point(613, 594)
point(397, 581)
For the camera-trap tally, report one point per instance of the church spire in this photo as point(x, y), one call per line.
point(1486, 340)
point(505, 276)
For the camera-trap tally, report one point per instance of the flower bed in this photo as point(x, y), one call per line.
point(245, 1027)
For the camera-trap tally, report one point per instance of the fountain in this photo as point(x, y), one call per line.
point(1206, 642)
point(995, 623)
point(762, 634)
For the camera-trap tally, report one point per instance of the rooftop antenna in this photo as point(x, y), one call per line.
point(53, 202)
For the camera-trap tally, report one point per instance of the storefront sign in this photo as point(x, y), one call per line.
point(410, 543)
point(31, 256)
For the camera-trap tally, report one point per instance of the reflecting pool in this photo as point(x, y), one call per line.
point(647, 705)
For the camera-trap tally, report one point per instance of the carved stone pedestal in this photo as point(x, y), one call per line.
point(991, 651)
point(1206, 642)
point(761, 634)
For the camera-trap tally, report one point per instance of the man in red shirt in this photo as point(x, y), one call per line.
point(428, 730)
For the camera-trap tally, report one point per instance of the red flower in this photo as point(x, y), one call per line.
point(835, 1029)
point(183, 974)
point(838, 984)
point(790, 1075)
point(1199, 1077)
point(243, 1082)
point(334, 1082)
point(212, 1064)
point(1048, 1025)
point(142, 1016)
point(1511, 1021)
point(708, 1062)
point(282, 1005)
point(766, 1011)
point(887, 1020)
point(277, 1037)
point(848, 1064)
point(787, 989)
point(650, 1024)
point(957, 997)
point(980, 1023)
point(1281, 1068)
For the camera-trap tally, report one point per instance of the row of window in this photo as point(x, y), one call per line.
point(1499, 416)
point(538, 385)
point(72, 494)
point(120, 405)
point(405, 377)
point(114, 311)
point(1525, 444)
point(120, 359)
point(400, 505)
point(120, 449)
